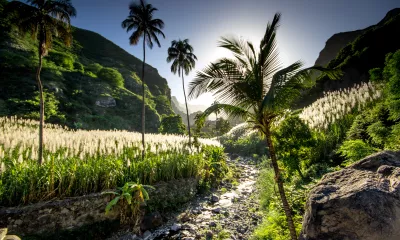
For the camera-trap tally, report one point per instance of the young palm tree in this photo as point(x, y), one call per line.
point(181, 53)
point(141, 20)
point(42, 19)
point(253, 86)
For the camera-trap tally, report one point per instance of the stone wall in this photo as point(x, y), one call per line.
point(74, 213)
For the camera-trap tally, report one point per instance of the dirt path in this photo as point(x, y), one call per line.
point(228, 213)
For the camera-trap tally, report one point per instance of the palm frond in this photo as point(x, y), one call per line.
point(228, 110)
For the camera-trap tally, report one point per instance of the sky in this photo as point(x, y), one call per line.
point(305, 27)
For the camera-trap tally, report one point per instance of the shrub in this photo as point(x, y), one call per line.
point(78, 67)
point(93, 68)
point(62, 59)
point(172, 124)
point(111, 76)
point(354, 150)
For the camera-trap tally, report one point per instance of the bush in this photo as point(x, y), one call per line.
point(111, 76)
point(172, 124)
point(354, 150)
point(93, 68)
point(78, 67)
point(62, 59)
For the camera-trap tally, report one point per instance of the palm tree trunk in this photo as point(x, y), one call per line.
point(143, 94)
point(41, 109)
point(187, 109)
point(278, 179)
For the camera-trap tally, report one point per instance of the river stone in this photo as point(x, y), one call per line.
point(359, 202)
point(176, 227)
point(214, 198)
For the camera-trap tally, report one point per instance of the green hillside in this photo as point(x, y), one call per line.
point(92, 85)
point(367, 51)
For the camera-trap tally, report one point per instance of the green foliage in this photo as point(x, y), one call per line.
point(93, 68)
point(354, 150)
point(391, 74)
point(62, 59)
point(294, 144)
point(111, 76)
point(129, 197)
point(247, 145)
point(25, 182)
point(79, 67)
point(29, 108)
point(222, 126)
point(163, 105)
point(172, 124)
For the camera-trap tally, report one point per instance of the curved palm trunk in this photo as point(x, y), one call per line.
point(187, 109)
point(278, 179)
point(41, 109)
point(143, 92)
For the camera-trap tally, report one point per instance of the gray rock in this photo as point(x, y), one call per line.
point(146, 235)
point(214, 198)
point(359, 202)
point(212, 224)
point(176, 227)
point(106, 102)
point(216, 210)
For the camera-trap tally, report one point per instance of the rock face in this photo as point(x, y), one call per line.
point(47, 218)
point(360, 202)
point(106, 102)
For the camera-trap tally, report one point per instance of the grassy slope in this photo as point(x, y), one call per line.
point(77, 90)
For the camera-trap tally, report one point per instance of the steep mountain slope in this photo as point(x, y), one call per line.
point(80, 82)
point(358, 56)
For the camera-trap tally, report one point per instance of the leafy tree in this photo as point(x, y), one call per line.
point(254, 86)
point(172, 124)
point(183, 61)
point(354, 150)
point(294, 142)
point(222, 126)
point(112, 76)
point(141, 20)
point(43, 19)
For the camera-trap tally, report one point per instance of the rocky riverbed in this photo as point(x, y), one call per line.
point(230, 212)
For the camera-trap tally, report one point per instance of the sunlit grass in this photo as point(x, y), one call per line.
point(336, 104)
point(82, 162)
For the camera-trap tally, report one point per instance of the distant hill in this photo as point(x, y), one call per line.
point(355, 53)
point(80, 93)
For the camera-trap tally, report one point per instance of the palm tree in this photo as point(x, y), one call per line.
point(216, 115)
point(253, 86)
point(181, 53)
point(141, 20)
point(42, 19)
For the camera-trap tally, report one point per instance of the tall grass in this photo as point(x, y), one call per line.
point(337, 104)
point(82, 162)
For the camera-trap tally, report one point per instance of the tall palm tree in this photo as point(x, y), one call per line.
point(44, 19)
point(141, 20)
point(254, 86)
point(183, 61)
point(216, 112)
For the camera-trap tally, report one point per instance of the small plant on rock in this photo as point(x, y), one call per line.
point(129, 198)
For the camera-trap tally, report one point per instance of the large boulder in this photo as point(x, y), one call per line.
point(359, 202)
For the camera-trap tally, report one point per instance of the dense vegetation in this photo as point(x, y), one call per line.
point(82, 162)
point(306, 152)
point(93, 70)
